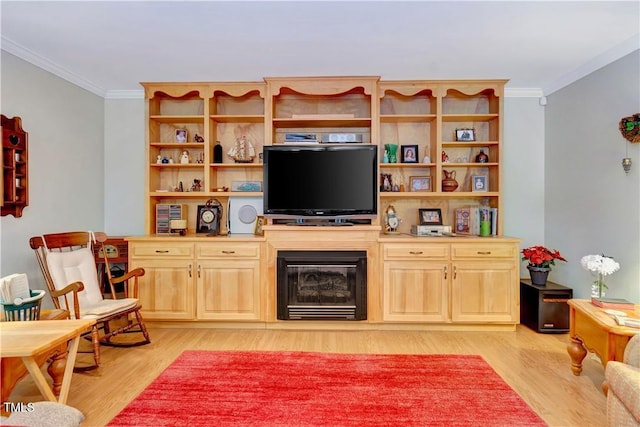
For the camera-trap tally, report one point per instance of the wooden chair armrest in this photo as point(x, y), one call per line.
point(136, 272)
point(74, 287)
point(130, 290)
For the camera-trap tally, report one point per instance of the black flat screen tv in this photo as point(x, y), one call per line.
point(320, 181)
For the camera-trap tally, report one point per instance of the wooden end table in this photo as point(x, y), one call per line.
point(591, 329)
point(29, 340)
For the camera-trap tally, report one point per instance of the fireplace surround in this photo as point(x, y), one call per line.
point(322, 285)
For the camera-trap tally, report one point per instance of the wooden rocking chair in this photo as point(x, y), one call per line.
point(68, 265)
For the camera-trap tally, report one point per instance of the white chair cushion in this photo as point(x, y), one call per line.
point(72, 266)
point(106, 307)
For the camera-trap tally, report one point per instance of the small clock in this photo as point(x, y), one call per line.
point(209, 217)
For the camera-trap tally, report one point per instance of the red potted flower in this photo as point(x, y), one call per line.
point(540, 261)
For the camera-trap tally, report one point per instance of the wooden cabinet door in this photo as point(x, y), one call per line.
point(415, 291)
point(228, 289)
point(166, 289)
point(484, 292)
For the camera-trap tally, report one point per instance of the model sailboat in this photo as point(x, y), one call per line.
point(243, 151)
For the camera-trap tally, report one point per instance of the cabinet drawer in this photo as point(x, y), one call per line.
point(483, 250)
point(413, 251)
point(151, 249)
point(228, 250)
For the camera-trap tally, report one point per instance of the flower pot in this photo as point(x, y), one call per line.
point(538, 274)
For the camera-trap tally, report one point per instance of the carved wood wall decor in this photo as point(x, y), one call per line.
point(14, 191)
point(630, 128)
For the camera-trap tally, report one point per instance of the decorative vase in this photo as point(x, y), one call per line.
point(538, 274)
point(449, 182)
point(392, 152)
point(597, 288)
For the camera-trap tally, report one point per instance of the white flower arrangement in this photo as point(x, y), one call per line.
point(601, 265)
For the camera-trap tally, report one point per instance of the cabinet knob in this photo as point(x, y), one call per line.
point(158, 251)
point(189, 270)
point(484, 252)
point(229, 252)
point(199, 268)
point(445, 272)
point(415, 252)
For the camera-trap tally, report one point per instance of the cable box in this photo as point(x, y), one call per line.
point(430, 230)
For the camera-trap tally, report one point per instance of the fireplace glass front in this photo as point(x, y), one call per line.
point(322, 285)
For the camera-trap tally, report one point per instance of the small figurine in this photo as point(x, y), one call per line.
point(391, 220)
point(445, 157)
point(165, 160)
point(197, 185)
point(159, 159)
point(198, 138)
point(184, 158)
point(426, 158)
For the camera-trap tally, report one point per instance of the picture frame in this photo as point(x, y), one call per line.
point(386, 182)
point(257, 229)
point(420, 183)
point(430, 216)
point(479, 183)
point(465, 134)
point(409, 153)
point(181, 135)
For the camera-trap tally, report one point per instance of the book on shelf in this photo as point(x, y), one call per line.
point(468, 220)
point(617, 303)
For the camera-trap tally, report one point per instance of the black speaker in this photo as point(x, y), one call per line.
point(544, 308)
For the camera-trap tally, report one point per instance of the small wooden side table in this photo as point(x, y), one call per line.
point(28, 340)
point(13, 370)
point(591, 329)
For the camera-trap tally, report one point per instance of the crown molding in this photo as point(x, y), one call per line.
point(124, 94)
point(523, 92)
point(21, 52)
point(623, 49)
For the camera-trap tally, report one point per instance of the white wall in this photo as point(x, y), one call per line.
point(66, 160)
point(124, 167)
point(591, 206)
point(523, 170)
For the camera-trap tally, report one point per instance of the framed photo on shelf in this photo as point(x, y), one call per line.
point(409, 153)
point(479, 183)
point(257, 230)
point(420, 183)
point(466, 134)
point(430, 216)
point(181, 135)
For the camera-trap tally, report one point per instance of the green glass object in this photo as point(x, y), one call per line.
point(391, 151)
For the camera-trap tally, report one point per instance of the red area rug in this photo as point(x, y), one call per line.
point(204, 388)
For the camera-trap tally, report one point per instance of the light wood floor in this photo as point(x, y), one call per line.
point(535, 365)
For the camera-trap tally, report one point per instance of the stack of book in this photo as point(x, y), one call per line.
point(615, 303)
point(468, 220)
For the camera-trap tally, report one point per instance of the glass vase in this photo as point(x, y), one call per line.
point(598, 286)
point(392, 152)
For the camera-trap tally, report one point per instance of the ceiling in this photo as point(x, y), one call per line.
point(109, 47)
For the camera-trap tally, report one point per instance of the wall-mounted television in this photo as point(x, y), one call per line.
point(320, 181)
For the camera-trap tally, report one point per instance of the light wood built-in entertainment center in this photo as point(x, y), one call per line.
point(412, 282)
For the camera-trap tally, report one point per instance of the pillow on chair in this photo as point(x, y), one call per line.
point(79, 266)
point(76, 266)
